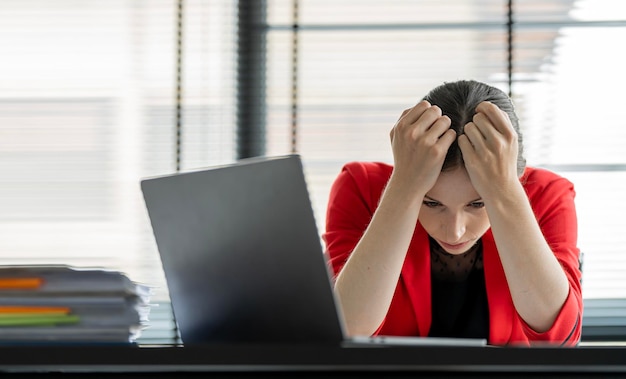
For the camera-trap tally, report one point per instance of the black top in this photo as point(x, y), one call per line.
point(459, 296)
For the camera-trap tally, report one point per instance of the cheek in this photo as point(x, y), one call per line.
point(430, 221)
point(479, 223)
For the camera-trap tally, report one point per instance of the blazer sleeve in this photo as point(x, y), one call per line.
point(349, 212)
point(554, 207)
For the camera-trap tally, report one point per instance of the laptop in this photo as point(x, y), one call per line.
point(243, 259)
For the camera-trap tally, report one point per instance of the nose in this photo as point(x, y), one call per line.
point(455, 227)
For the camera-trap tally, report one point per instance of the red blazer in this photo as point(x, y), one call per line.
point(355, 195)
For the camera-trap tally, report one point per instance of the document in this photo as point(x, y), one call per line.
point(57, 303)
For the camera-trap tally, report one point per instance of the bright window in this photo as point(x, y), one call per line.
point(88, 107)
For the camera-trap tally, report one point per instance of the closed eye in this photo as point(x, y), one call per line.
point(477, 204)
point(431, 204)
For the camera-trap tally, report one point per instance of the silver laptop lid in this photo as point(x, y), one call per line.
point(241, 254)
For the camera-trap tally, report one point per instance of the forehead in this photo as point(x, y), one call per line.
point(453, 187)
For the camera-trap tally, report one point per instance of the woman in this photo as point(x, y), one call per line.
point(458, 238)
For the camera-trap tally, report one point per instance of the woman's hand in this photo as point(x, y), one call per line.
point(366, 285)
point(536, 280)
point(420, 140)
point(489, 147)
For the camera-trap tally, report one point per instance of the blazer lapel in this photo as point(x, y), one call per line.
point(416, 278)
point(501, 307)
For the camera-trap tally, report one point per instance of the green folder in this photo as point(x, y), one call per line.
point(36, 320)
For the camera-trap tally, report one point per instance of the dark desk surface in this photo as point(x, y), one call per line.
point(246, 359)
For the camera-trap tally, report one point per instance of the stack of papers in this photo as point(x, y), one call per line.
point(68, 304)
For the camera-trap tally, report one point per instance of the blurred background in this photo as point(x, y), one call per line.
point(97, 94)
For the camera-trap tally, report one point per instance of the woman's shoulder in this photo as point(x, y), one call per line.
point(541, 177)
point(542, 182)
point(373, 172)
point(367, 179)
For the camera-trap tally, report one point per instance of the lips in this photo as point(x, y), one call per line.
point(457, 246)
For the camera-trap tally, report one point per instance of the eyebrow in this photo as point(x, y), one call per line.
point(469, 202)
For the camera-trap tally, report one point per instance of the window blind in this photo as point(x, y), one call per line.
point(572, 114)
point(88, 107)
point(76, 81)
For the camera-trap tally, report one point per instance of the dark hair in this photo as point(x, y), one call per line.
point(458, 100)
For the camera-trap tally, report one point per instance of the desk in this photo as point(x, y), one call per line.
point(269, 361)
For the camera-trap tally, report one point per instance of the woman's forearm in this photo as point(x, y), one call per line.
point(367, 282)
point(536, 280)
